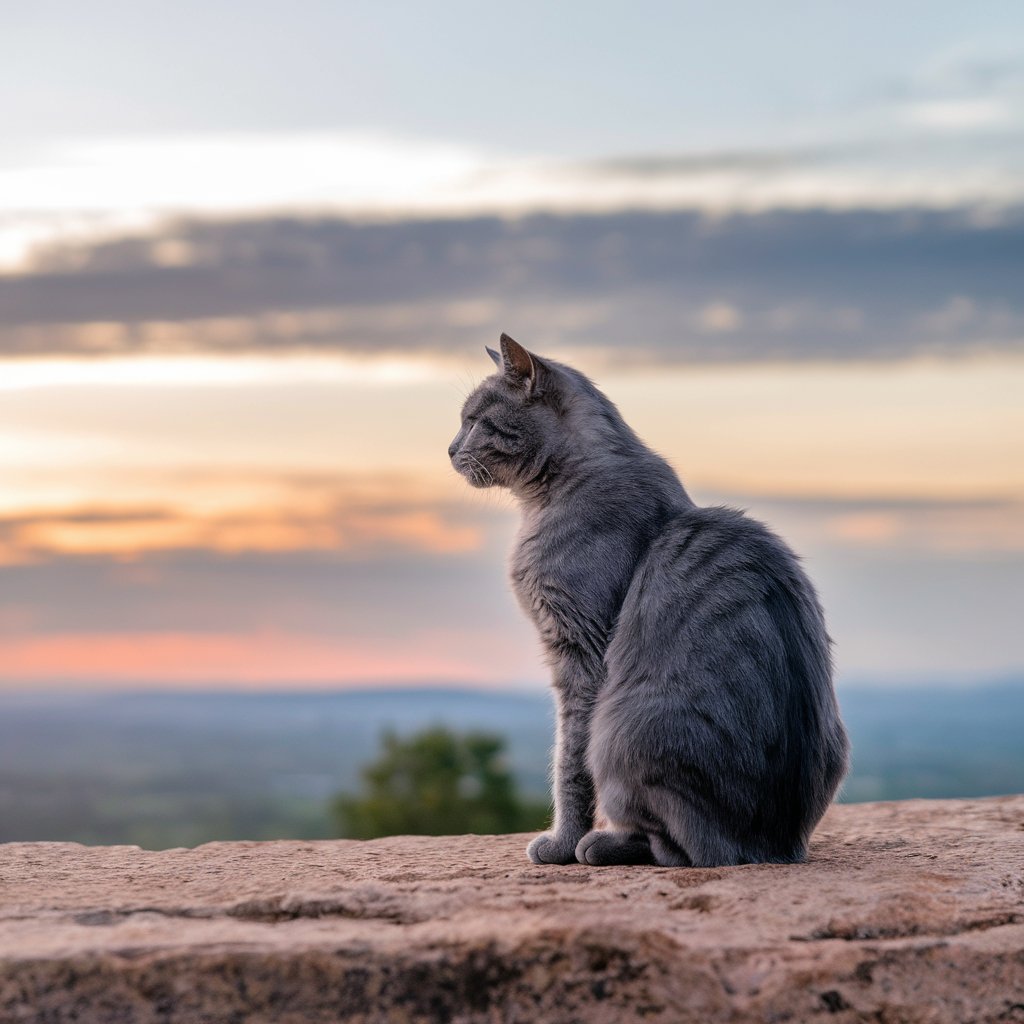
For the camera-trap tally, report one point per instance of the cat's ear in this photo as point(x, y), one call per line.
point(519, 365)
point(496, 356)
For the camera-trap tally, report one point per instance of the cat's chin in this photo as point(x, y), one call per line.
point(475, 476)
point(475, 479)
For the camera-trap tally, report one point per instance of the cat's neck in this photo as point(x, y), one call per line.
point(586, 483)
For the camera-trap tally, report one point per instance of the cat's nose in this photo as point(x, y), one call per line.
point(452, 449)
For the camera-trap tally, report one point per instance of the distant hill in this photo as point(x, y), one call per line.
point(177, 769)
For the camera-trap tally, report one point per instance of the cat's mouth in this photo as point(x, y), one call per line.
point(470, 467)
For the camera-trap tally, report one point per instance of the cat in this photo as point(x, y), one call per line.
point(691, 666)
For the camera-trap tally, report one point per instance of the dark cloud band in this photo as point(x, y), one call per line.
point(662, 286)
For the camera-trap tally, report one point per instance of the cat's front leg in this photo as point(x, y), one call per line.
point(573, 784)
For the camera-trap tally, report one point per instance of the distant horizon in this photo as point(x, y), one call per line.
point(961, 683)
point(173, 768)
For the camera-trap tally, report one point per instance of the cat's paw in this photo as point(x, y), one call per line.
point(551, 848)
point(600, 848)
point(589, 849)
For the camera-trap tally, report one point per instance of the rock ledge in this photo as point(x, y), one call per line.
point(907, 911)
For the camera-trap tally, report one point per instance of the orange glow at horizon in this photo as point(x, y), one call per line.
point(265, 658)
point(130, 533)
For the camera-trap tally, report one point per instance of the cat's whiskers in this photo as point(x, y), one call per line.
point(486, 473)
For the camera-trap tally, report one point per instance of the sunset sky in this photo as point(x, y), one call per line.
point(250, 256)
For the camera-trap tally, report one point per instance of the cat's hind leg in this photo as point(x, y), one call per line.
point(600, 849)
point(668, 854)
point(641, 825)
point(690, 833)
point(635, 836)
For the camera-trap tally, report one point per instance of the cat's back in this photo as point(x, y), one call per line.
point(719, 545)
point(714, 573)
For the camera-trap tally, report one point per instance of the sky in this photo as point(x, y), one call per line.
point(250, 256)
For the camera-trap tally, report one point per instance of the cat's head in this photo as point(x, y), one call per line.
point(511, 424)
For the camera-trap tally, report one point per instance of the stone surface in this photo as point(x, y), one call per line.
point(905, 912)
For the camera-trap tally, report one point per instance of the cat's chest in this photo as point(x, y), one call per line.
point(554, 588)
point(533, 585)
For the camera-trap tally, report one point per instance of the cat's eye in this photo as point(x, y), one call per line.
point(505, 435)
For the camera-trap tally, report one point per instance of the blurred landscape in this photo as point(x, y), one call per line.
point(178, 769)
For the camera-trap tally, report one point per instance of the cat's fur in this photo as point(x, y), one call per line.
point(691, 666)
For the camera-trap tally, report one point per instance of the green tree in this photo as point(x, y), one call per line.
point(435, 783)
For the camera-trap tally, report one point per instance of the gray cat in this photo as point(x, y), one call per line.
point(691, 667)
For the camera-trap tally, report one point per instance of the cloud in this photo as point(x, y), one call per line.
point(974, 98)
point(960, 114)
point(368, 527)
point(81, 187)
point(676, 286)
point(937, 528)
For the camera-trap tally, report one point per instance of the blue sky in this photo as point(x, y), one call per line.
point(572, 79)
